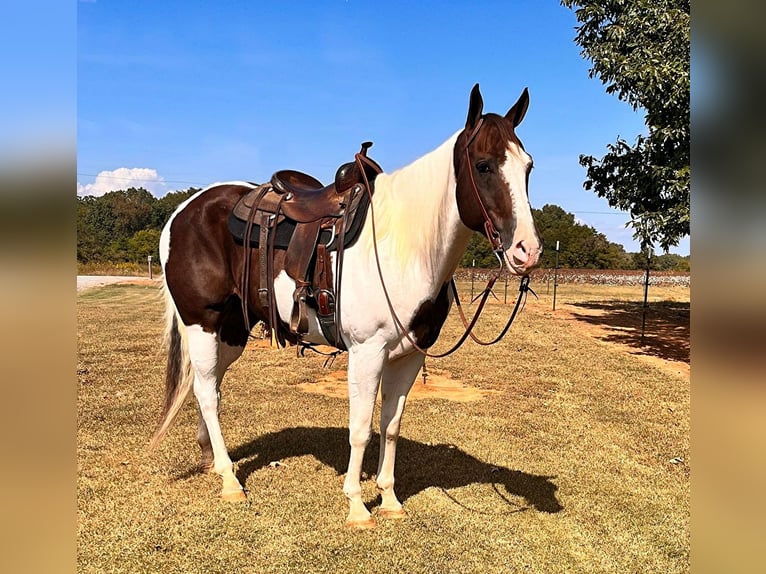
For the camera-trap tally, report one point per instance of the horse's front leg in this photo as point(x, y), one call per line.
point(365, 363)
point(398, 376)
point(208, 369)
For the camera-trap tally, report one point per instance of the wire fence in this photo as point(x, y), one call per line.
point(589, 276)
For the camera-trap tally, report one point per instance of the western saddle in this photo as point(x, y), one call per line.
point(294, 212)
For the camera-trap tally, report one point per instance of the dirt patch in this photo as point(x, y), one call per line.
point(666, 337)
point(261, 344)
point(90, 281)
point(438, 385)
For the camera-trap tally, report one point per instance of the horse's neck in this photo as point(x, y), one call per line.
point(417, 221)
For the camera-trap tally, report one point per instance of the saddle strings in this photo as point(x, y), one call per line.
point(248, 250)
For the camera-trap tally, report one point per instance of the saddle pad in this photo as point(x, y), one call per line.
point(286, 227)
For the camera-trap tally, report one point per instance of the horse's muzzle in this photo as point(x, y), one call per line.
point(523, 257)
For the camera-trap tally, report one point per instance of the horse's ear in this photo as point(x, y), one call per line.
point(519, 109)
point(474, 108)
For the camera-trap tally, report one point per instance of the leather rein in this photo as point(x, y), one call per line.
point(497, 248)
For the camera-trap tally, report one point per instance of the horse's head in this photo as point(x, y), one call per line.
point(492, 172)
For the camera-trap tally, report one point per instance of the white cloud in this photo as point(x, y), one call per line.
point(123, 178)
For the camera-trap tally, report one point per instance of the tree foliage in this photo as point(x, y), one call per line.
point(123, 225)
point(640, 51)
point(580, 247)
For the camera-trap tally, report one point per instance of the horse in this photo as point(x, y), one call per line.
point(394, 282)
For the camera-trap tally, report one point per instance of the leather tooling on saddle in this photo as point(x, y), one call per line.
point(294, 212)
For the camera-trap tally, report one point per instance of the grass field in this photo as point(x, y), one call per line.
point(578, 462)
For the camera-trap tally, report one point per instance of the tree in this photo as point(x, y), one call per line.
point(581, 246)
point(132, 210)
point(479, 253)
point(664, 262)
point(166, 205)
point(640, 51)
point(95, 227)
point(123, 225)
point(144, 243)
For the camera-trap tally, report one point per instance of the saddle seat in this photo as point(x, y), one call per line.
point(292, 181)
point(304, 198)
point(295, 212)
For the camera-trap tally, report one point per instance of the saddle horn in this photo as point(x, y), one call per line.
point(350, 174)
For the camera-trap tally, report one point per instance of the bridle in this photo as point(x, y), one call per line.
point(497, 247)
point(489, 228)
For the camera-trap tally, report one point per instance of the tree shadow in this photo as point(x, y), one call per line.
point(667, 326)
point(419, 466)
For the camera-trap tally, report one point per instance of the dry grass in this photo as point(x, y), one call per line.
point(119, 268)
point(566, 469)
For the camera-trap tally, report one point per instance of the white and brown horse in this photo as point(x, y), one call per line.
point(424, 216)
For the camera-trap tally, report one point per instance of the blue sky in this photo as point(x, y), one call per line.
point(176, 94)
point(38, 51)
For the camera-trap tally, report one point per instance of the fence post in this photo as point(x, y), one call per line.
point(150, 266)
point(556, 276)
point(646, 297)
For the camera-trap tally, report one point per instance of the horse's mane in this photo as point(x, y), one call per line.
point(411, 204)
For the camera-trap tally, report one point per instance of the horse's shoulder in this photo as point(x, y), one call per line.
point(429, 318)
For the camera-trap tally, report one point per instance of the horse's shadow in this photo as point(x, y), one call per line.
point(419, 466)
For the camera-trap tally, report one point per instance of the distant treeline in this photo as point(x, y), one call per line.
point(580, 247)
point(125, 225)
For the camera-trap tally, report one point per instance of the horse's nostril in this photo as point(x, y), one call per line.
point(520, 255)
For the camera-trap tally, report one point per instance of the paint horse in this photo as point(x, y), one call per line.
point(411, 241)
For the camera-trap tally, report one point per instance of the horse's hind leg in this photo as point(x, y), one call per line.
point(207, 363)
point(398, 376)
point(203, 440)
point(227, 354)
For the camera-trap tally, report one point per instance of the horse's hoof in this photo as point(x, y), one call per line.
point(234, 496)
point(392, 513)
point(365, 524)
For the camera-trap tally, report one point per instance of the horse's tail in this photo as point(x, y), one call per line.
point(179, 376)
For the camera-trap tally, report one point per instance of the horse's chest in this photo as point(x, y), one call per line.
point(427, 322)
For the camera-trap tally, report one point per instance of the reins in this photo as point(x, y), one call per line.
point(497, 247)
point(524, 288)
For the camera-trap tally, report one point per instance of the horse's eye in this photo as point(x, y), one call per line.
point(483, 167)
